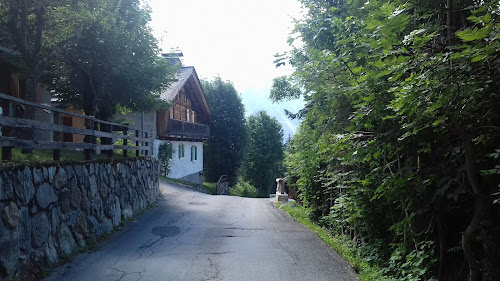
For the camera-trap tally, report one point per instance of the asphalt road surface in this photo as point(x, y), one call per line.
point(195, 236)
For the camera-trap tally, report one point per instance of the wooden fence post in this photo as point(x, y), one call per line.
point(107, 128)
point(56, 136)
point(89, 138)
point(146, 144)
point(137, 143)
point(125, 141)
point(7, 150)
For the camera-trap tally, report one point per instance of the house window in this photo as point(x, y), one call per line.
point(181, 150)
point(194, 153)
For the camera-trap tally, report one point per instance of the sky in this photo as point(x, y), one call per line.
point(235, 40)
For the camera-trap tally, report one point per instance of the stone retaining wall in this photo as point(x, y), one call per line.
point(50, 211)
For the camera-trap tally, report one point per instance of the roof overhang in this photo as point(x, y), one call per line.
point(187, 77)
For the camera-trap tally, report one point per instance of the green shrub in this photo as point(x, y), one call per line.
point(244, 189)
point(165, 154)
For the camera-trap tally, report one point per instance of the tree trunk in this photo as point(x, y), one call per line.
point(442, 233)
point(29, 112)
point(450, 27)
point(483, 221)
point(89, 106)
point(490, 232)
point(468, 238)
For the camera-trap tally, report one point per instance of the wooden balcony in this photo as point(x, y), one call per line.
point(176, 129)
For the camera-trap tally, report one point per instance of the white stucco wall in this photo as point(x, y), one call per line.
point(184, 166)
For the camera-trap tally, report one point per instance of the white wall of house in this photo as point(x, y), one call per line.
point(185, 166)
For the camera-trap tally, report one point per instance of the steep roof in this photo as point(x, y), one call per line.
point(187, 77)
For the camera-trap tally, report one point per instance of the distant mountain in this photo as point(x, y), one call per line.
point(255, 100)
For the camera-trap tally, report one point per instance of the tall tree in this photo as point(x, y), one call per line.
point(400, 133)
point(84, 50)
point(115, 59)
point(264, 152)
point(224, 150)
point(24, 25)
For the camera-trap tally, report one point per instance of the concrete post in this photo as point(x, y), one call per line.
point(281, 196)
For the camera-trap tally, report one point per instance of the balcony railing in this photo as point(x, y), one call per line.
point(183, 129)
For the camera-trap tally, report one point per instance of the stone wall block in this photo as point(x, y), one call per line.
point(51, 173)
point(78, 224)
point(61, 178)
point(6, 190)
point(41, 229)
point(24, 229)
point(3, 229)
point(55, 218)
point(92, 186)
point(108, 169)
point(112, 182)
point(127, 212)
point(50, 211)
point(75, 195)
point(25, 189)
point(144, 202)
point(65, 240)
point(10, 215)
point(50, 251)
point(33, 209)
point(45, 195)
point(133, 181)
point(107, 225)
point(83, 176)
point(70, 173)
point(9, 254)
point(135, 205)
point(94, 227)
point(110, 207)
point(85, 203)
point(92, 169)
point(96, 207)
point(124, 198)
point(81, 226)
point(103, 185)
point(64, 199)
point(117, 218)
point(37, 176)
point(121, 170)
point(45, 173)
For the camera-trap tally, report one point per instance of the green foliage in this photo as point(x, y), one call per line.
point(244, 189)
point(211, 187)
point(264, 152)
point(165, 153)
point(223, 152)
point(283, 89)
point(401, 116)
point(84, 50)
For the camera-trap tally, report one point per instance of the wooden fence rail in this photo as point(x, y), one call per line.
point(98, 135)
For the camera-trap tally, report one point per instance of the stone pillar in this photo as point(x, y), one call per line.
point(281, 196)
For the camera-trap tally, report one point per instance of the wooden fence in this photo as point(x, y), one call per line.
point(99, 135)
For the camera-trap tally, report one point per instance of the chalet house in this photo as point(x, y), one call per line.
point(12, 84)
point(184, 125)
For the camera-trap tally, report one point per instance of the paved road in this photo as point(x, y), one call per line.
point(194, 236)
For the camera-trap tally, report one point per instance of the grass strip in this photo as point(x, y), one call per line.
point(211, 187)
point(341, 244)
